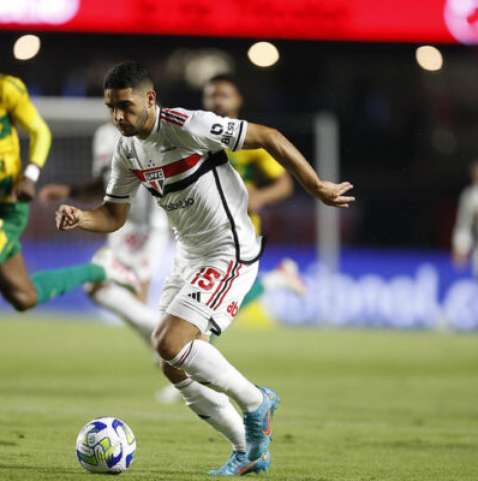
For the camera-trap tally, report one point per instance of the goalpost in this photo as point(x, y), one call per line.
point(327, 155)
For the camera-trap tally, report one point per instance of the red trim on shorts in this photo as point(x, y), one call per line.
point(236, 275)
point(219, 287)
point(196, 277)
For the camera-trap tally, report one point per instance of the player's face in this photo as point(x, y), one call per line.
point(222, 98)
point(130, 109)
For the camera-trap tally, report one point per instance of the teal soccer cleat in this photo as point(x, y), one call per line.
point(259, 424)
point(238, 464)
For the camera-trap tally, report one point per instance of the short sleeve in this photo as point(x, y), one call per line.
point(123, 184)
point(214, 132)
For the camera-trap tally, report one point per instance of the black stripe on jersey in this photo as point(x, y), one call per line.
point(239, 136)
point(214, 159)
point(235, 237)
point(117, 196)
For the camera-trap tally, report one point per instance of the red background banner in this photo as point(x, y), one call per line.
point(362, 20)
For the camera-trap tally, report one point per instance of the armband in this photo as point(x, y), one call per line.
point(32, 172)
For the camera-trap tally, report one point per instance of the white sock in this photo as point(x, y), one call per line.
point(123, 303)
point(216, 409)
point(205, 364)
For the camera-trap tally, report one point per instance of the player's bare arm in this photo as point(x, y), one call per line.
point(279, 189)
point(294, 162)
point(106, 218)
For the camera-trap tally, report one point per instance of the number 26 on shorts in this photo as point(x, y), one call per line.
point(206, 278)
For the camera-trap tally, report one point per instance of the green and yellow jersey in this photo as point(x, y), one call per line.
point(16, 109)
point(256, 167)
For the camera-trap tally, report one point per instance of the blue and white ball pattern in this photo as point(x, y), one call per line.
point(106, 445)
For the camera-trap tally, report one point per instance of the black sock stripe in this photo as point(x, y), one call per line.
point(184, 356)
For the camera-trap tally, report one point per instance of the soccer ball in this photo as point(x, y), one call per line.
point(106, 445)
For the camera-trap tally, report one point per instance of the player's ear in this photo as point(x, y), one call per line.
point(151, 98)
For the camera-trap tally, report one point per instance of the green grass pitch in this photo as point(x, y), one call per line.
point(357, 405)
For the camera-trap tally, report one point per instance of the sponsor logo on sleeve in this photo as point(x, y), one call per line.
point(226, 136)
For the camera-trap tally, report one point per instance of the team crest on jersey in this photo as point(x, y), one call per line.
point(155, 178)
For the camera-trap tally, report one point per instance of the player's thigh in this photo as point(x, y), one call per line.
point(14, 277)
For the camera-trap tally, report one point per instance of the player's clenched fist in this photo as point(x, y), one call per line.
point(67, 217)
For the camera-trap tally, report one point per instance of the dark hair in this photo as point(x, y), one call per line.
point(224, 77)
point(127, 75)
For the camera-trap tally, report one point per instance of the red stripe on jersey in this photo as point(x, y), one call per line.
point(174, 168)
point(182, 165)
point(138, 173)
point(171, 120)
point(175, 112)
point(229, 286)
point(219, 287)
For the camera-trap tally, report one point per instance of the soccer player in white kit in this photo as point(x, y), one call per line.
point(465, 232)
point(178, 155)
point(134, 246)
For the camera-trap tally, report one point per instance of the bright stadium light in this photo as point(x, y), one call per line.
point(429, 58)
point(263, 54)
point(26, 47)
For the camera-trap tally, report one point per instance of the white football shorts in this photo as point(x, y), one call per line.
point(207, 293)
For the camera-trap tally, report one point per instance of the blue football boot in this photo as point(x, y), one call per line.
point(238, 464)
point(258, 424)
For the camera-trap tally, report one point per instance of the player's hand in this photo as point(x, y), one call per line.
point(67, 217)
point(333, 194)
point(54, 193)
point(25, 190)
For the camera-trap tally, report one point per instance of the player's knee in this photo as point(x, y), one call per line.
point(165, 343)
point(166, 346)
point(171, 336)
point(22, 299)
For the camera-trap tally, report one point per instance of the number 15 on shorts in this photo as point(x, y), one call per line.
point(206, 278)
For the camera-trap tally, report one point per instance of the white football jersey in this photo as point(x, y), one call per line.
point(183, 165)
point(465, 233)
point(143, 212)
